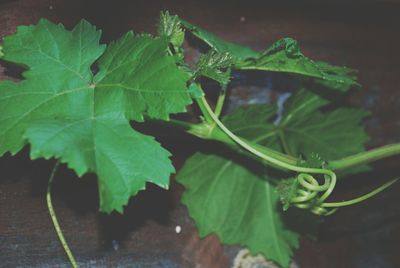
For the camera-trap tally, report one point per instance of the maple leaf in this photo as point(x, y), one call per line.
point(65, 111)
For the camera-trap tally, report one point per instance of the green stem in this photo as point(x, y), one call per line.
point(54, 218)
point(208, 131)
point(361, 198)
point(277, 162)
point(220, 101)
point(204, 110)
point(365, 157)
point(278, 155)
point(282, 138)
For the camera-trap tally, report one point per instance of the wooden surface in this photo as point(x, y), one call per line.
point(361, 34)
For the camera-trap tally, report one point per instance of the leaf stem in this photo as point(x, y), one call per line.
point(208, 131)
point(205, 108)
point(220, 101)
point(256, 152)
point(365, 157)
point(285, 146)
point(54, 218)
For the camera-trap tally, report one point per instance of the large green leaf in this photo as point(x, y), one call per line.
point(251, 216)
point(333, 135)
point(303, 128)
point(65, 111)
point(239, 205)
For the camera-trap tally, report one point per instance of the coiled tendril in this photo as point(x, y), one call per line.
point(310, 194)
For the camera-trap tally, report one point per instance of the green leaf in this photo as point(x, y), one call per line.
point(254, 123)
point(238, 52)
point(65, 111)
point(332, 135)
point(282, 56)
point(240, 206)
point(303, 128)
point(285, 56)
point(216, 66)
point(170, 26)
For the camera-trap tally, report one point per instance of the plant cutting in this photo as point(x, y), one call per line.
point(77, 99)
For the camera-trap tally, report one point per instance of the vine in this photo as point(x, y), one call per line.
point(83, 119)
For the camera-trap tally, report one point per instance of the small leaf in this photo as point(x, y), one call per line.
point(287, 190)
point(216, 66)
point(170, 26)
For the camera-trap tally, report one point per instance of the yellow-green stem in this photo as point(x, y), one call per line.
point(54, 218)
point(365, 157)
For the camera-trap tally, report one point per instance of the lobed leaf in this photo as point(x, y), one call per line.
point(65, 111)
point(332, 135)
point(240, 206)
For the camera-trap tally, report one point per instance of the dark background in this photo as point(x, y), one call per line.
point(360, 34)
